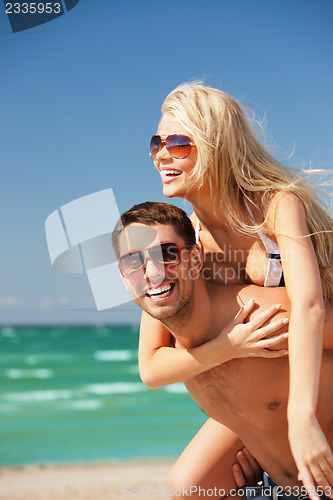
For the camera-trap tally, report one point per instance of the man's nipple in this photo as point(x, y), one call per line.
point(274, 405)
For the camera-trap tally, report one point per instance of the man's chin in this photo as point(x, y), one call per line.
point(157, 310)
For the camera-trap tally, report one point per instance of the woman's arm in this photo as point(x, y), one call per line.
point(302, 278)
point(328, 326)
point(160, 364)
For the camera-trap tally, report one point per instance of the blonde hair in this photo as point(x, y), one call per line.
point(241, 172)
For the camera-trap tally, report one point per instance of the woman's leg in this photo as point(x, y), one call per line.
point(206, 463)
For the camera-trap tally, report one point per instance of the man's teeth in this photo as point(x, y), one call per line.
point(171, 172)
point(161, 291)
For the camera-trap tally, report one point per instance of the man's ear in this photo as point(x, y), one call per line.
point(197, 257)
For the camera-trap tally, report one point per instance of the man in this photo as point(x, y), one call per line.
point(248, 395)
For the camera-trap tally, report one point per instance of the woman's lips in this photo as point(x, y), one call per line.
point(169, 175)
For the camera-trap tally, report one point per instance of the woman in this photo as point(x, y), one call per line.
point(257, 222)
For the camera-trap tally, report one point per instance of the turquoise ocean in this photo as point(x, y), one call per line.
point(73, 394)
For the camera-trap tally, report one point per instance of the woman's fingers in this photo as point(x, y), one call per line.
point(271, 328)
point(243, 312)
point(323, 474)
point(273, 354)
point(261, 318)
point(266, 353)
point(268, 343)
point(309, 483)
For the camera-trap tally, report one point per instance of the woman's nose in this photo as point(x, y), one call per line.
point(163, 154)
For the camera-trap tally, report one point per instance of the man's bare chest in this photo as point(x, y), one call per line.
point(243, 391)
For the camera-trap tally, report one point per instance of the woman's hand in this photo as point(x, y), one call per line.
point(237, 340)
point(312, 455)
point(249, 339)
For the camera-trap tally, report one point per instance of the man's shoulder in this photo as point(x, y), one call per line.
point(264, 296)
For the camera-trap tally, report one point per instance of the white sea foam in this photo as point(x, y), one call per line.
point(81, 404)
point(38, 396)
point(116, 388)
point(31, 359)
point(7, 331)
point(120, 355)
point(45, 357)
point(40, 373)
point(178, 388)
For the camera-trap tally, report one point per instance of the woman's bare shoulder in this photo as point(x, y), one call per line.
point(283, 203)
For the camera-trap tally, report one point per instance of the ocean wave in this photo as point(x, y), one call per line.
point(116, 388)
point(7, 331)
point(40, 373)
point(49, 357)
point(11, 358)
point(38, 396)
point(120, 355)
point(81, 404)
point(72, 396)
point(31, 359)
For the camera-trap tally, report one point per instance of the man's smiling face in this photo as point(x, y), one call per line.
point(162, 292)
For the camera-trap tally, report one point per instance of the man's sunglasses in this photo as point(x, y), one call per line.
point(165, 255)
point(178, 146)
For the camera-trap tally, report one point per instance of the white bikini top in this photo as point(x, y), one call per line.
point(274, 273)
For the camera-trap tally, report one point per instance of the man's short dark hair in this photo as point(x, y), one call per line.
point(151, 213)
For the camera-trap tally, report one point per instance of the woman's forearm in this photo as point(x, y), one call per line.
point(305, 352)
point(328, 326)
point(168, 365)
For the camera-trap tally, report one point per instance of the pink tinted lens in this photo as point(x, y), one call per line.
point(164, 255)
point(154, 146)
point(179, 146)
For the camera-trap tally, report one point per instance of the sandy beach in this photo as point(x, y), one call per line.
point(105, 481)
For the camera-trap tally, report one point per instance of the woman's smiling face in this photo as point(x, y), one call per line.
point(175, 173)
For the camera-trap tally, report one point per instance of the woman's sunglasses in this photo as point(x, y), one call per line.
point(178, 146)
point(165, 255)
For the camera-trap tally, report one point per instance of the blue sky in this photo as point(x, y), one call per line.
point(81, 97)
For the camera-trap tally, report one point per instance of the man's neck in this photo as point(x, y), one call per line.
point(203, 324)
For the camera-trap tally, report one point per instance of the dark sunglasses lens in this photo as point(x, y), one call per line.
point(166, 254)
point(131, 265)
point(154, 146)
point(179, 146)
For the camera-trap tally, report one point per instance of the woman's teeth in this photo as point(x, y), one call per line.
point(171, 172)
point(161, 291)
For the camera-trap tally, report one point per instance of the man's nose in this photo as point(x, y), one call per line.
point(153, 272)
